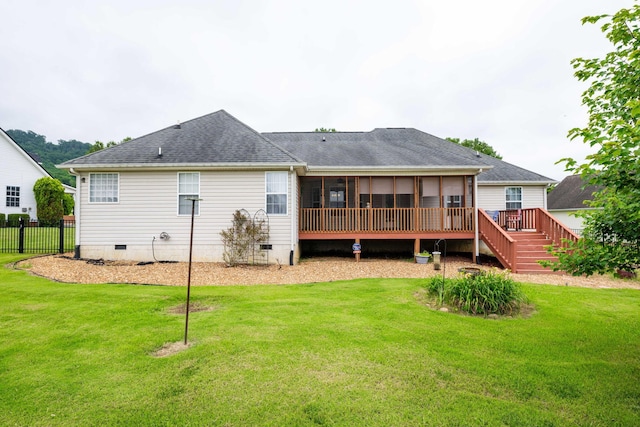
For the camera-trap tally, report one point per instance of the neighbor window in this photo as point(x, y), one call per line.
point(13, 196)
point(188, 188)
point(276, 192)
point(103, 188)
point(513, 197)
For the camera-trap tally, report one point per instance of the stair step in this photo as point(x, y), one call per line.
point(530, 248)
point(530, 251)
point(543, 271)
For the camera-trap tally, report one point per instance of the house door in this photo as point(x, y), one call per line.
point(336, 198)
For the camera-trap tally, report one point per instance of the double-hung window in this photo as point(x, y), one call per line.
point(276, 190)
point(188, 189)
point(513, 196)
point(13, 196)
point(103, 188)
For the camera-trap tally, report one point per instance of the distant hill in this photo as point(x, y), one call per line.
point(50, 154)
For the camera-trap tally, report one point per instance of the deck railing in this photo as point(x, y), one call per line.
point(504, 246)
point(553, 229)
point(385, 220)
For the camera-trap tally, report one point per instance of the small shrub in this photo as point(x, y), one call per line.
point(13, 220)
point(49, 194)
point(242, 237)
point(491, 292)
point(3, 221)
point(435, 287)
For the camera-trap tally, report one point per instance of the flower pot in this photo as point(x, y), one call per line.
point(422, 259)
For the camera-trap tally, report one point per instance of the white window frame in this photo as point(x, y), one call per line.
point(109, 193)
point(279, 188)
point(184, 193)
point(12, 199)
point(516, 201)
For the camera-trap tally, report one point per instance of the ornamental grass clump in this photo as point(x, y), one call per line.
point(491, 292)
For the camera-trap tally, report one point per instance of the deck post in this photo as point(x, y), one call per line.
point(476, 231)
point(416, 246)
point(357, 248)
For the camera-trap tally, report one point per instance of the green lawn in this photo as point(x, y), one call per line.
point(353, 353)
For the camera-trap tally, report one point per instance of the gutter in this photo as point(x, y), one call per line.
point(293, 214)
point(389, 170)
point(184, 166)
point(77, 197)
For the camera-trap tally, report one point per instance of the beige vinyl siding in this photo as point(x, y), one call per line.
point(148, 206)
point(492, 197)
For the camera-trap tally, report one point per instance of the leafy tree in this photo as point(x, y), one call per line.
point(68, 203)
point(325, 130)
point(476, 144)
point(612, 233)
point(98, 145)
point(49, 194)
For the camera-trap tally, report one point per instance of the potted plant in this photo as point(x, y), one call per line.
point(422, 257)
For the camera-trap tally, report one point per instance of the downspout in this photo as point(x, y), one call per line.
point(475, 218)
point(76, 212)
point(293, 213)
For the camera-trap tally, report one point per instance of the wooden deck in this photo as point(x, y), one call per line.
point(398, 223)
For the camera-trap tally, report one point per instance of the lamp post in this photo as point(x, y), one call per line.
point(186, 321)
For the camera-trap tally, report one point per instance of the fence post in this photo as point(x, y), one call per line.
point(61, 242)
point(21, 236)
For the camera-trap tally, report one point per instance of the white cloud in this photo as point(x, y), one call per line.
point(497, 70)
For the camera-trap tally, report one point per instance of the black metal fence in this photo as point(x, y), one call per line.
point(31, 237)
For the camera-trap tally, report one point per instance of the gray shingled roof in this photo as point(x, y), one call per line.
point(571, 193)
point(217, 138)
point(403, 147)
point(220, 139)
point(506, 172)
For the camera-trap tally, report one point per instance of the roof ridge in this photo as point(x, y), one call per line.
point(268, 141)
point(314, 132)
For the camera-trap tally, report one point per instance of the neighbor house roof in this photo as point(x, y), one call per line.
point(571, 194)
point(216, 139)
point(397, 147)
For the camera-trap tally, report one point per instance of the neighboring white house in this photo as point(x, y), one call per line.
point(18, 174)
point(387, 185)
point(568, 198)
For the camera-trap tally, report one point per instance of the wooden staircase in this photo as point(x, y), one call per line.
point(530, 249)
point(518, 250)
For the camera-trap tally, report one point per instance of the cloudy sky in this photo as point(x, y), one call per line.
point(498, 70)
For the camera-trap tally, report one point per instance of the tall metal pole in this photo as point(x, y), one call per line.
point(186, 322)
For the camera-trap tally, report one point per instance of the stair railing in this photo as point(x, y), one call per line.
point(556, 231)
point(501, 244)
